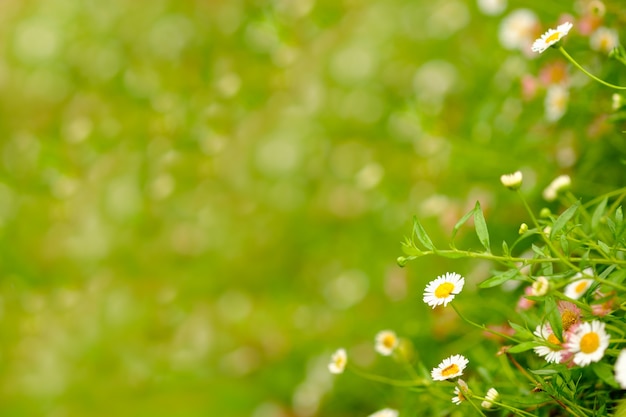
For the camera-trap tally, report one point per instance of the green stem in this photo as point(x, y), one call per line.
point(483, 327)
point(577, 65)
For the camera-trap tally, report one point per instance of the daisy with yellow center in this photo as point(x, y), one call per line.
point(588, 343)
point(551, 37)
point(450, 368)
point(551, 351)
point(570, 314)
point(338, 362)
point(386, 342)
point(576, 289)
point(443, 289)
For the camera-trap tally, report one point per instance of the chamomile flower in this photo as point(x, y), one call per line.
point(604, 40)
point(552, 353)
point(386, 342)
point(512, 181)
point(588, 343)
point(449, 368)
point(491, 396)
point(576, 289)
point(620, 369)
point(555, 103)
point(570, 314)
point(551, 37)
point(459, 394)
point(540, 286)
point(443, 289)
point(385, 412)
point(518, 29)
point(338, 361)
point(560, 183)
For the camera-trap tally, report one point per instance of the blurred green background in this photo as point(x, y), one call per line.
point(201, 200)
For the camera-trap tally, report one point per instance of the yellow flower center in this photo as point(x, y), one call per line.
point(581, 287)
point(450, 370)
point(553, 339)
point(444, 290)
point(590, 342)
point(554, 37)
point(389, 341)
point(568, 318)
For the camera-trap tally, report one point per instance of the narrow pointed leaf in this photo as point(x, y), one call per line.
point(498, 279)
point(421, 235)
point(562, 220)
point(481, 227)
point(461, 222)
point(522, 347)
point(554, 317)
point(598, 213)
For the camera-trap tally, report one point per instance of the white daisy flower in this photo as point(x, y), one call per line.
point(460, 394)
point(551, 37)
point(450, 368)
point(491, 396)
point(491, 7)
point(517, 30)
point(549, 353)
point(588, 343)
point(562, 182)
point(620, 369)
point(385, 412)
point(540, 286)
point(555, 103)
point(338, 361)
point(443, 289)
point(386, 342)
point(512, 181)
point(604, 40)
point(576, 289)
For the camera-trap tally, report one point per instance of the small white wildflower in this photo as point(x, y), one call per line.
point(551, 37)
point(540, 286)
point(555, 103)
point(588, 343)
point(576, 289)
point(338, 361)
point(491, 7)
point(385, 412)
point(449, 368)
point(560, 183)
point(604, 40)
point(517, 29)
point(490, 398)
point(386, 342)
point(443, 289)
point(460, 394)
point(620, 369)
point(512, 181)
point(551, 351)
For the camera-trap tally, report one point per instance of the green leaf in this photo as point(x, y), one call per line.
point(544, 371)
point(554, 317)
point(562, 220)
point(505, 248)
point(564, 244)
point(604, 247)
point(421, 235)
point(598, 213)
point(619, 215)
point(604, 371)
point(481, 227)
point(499, 278)
point(523, 347)
point(520, 330)
point(461, 222)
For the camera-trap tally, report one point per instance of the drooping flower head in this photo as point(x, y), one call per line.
point(338, 361)
point(491, 396)
point(460, 394)
point(588, 343)
point(560, 183)
point(449, 368)
point(551, 37)
point(386, 342)
point(443, 289)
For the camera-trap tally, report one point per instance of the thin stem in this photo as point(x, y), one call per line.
point(483, 327)
point(577, 65)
